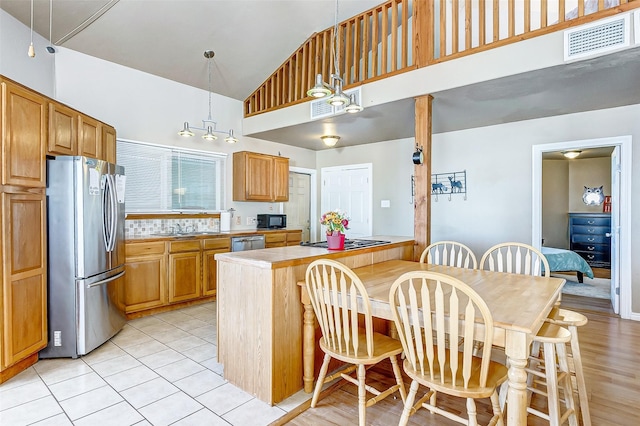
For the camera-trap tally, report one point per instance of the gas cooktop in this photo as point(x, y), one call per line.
point(348, 244)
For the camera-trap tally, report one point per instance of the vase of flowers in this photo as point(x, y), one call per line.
point(336, 222)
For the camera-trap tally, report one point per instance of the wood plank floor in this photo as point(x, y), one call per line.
point(611, 357)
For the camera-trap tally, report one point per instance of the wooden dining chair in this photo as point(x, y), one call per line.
point(337, 295)
point(516, 258)
point(449, 253)
point(426, 301)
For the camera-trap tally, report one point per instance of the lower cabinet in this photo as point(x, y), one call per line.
point(165, 272)
point(185, 280)
point(145, 278)
point(23, 299)
point(282, 239)
point(212, 247)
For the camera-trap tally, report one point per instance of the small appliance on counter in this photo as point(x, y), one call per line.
point(272, 221)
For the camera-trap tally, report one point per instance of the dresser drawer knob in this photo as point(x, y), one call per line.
point(591, 257)
point(591, 230)
point(590, 248)
point(591, 222)
point(591, 239)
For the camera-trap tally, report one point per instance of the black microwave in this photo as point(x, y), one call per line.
point(272, 221)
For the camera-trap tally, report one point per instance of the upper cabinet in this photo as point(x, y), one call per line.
point(108, 144)
point(23, 130)
point(260, 177)
point(63, 130)
point(89, 136)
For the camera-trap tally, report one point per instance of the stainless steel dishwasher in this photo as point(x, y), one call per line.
point(249, 242)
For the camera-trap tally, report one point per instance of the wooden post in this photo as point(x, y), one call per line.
point(422, 177)
point(423, 31)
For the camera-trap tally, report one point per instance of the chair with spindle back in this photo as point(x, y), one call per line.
point(425, 302)
point(449, 253)
point(336, 294)
point(516, 258)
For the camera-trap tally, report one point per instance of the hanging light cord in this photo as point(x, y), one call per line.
point(209, 71)
point(336, 45)
point(31, 21)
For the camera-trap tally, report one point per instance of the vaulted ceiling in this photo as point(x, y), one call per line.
point(251, 39)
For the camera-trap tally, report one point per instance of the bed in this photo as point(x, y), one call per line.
point(561, 260)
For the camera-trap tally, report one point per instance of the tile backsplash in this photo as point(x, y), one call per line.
point(143, 227)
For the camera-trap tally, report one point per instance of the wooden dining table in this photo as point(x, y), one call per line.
point(518, 303)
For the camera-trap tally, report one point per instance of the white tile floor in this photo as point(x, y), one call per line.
point(159, 370)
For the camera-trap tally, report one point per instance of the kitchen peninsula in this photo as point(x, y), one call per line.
point(260, 317)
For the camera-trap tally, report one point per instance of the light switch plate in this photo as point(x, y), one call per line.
point(385, 204)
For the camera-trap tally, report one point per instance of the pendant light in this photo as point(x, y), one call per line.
point(32, 51)
point(208, 125)
point(337, 97)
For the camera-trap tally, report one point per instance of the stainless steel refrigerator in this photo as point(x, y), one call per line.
point(85, 221)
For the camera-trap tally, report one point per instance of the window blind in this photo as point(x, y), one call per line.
point(167, 179)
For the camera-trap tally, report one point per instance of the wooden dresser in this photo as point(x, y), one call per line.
point(590, 237)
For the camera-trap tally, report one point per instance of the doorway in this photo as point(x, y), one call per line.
point(302, 202)
point(620, 210)
point(350, 189)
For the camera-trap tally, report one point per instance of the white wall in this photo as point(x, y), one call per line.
point(147, 108)
point(36, 73)
point(392, 170)
point(498, 163)
point(555, 203)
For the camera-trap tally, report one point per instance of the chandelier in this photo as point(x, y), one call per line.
point(208, 125)
point(333, 89)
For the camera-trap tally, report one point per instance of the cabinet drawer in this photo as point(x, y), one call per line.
point(590, 247)
point(181, 246)
point(217, 243)
point(595, 258)
point(589, 230)
point(590, 239)
point(294, 238)
point(142, 249)
point(275, 238)
point(591, 221)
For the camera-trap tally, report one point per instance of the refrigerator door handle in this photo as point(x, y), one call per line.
point(101, 282)
point(106, 213)
point(114, 212)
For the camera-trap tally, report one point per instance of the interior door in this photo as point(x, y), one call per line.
point(349, 189)
point(298, 208)
point(615, 229)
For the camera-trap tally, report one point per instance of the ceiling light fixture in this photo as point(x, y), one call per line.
point(208, 125)
point(333, 89)
point(571, 154)
point(330, 140)
point(32, 51)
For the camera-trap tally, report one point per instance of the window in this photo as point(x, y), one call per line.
point(164, 179)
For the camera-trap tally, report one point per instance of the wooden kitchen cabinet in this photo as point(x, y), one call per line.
point(24, 136)
point(185, 281)
point(108, 144)
point(294, 238)
point(211, 247)
point(63, 130)
point(260, 177)
point(23, 304)
point(89, 136)
point(275, 239)
point(145, 284)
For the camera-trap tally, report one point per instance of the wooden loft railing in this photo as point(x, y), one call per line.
point(402, 35)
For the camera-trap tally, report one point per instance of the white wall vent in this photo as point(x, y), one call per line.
point(320, 108)
point(598, 37)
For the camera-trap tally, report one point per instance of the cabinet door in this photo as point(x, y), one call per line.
point(258, 185)
point(145, 284)
point(184, 276)
point(280, 179)
point(210, 272)
point(294, 238)
point(63, 129)
point(109, 144)
point(24, 282)
point(24, 136)
point(89, 137)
